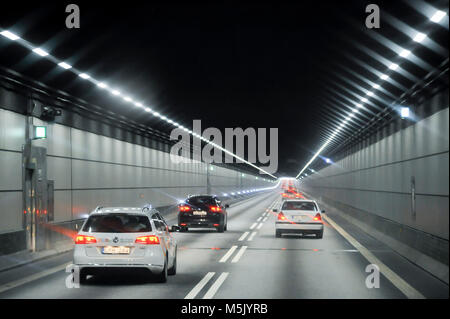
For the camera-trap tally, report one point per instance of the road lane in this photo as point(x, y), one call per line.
point(255, 265)
point(198, 249)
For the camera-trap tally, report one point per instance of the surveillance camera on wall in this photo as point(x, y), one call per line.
point(49, 113)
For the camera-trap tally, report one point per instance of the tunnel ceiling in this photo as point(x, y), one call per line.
point(301, 68)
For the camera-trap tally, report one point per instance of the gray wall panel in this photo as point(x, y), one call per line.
point(10, 211)
point(12, 130)
point(377, 179)
point(10, 170)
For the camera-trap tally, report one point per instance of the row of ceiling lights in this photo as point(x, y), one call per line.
point(115, 92)
point(404, 111)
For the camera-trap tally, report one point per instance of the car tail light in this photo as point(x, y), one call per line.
point(184, 208)
point(281, 216)
point(216, 225)
point(83, 240)
point(318, 217)
point(148, 240)
point(215, 209)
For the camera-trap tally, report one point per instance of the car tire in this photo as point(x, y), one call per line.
point(162, 277)
point(319, 234)
point(221, 228)
point(278, 234)
point(183, 229)
point(226, 227)
point(173, 270)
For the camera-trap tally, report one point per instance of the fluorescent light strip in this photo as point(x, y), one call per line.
point(10, 35)
point(438, 16)
point(64, 65)
point(40, 52)
point(102, 85)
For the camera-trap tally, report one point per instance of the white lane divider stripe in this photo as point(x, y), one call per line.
point(251, 236)
point(253, 226)
point(199, 286)
point(395, 279)
point(228, 254)
point(213, 289)
point(265, 218)
point(259, 219)
point(31, 278)
point(239, 254)
point(243, 236)
point(259, 226)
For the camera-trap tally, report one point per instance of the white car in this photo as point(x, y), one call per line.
point(116, 238)
point(299, 216)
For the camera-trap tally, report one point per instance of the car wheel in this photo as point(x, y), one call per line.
point(173, 270)
point(221, 228)
point(183, 229)
point(226, 227)
point(278, 234)
point(162, 277)
point(319, 234)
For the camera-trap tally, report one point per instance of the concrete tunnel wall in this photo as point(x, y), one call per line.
point(373, 185)
point(90, 170)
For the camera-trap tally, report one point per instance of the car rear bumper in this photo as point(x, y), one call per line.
point(153, 260)
point(102, 269)
point(298, 227)
point(210, 221)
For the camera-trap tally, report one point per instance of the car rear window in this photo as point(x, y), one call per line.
point(201, 200)
point(299, 206)
point(117, 223)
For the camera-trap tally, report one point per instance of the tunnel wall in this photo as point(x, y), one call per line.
point(87, 167)
point(373, 185)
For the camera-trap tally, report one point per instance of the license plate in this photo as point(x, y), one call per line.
point(116, 250)
point(297, 218)
point(199, 212)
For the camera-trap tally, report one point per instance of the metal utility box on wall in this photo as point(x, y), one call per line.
point(35, 197)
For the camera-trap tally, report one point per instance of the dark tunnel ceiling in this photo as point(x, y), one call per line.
point(290, 66)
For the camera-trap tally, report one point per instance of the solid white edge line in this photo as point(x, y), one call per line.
point(39, 275)
point(239, 254)
point(251, 236)
point(228, 254)
point(395, 279)
point(243, 236)
point(253, 226)
point(213, 289)
point(199, 286)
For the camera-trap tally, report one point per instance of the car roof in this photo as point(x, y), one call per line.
point(300, 200)
point(124, 210)
point(201, 195)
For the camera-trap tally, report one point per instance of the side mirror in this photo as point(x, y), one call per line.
point(323, 211)
point(275, 210)
point(174, 228)
point(227, 205)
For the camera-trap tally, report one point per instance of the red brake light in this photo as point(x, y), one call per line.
point(148, 240)
point(215, 209)
point(317, 217)
point(184, 208)
point(83, 240)
point(281, 216)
